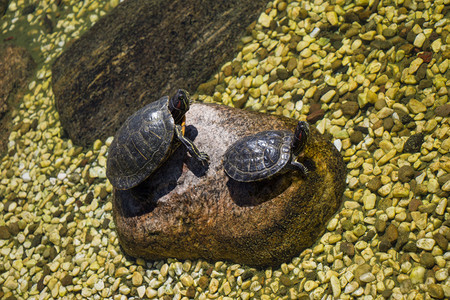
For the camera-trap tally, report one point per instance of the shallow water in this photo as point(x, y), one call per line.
point(390, 239)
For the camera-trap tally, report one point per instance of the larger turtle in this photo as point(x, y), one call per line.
point(265, 154)
point(147, 139)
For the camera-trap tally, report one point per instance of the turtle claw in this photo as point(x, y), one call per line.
point(301, 167)
point(203, 157)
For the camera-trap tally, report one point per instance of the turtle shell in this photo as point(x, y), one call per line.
point(141, 145)
point(260, 156)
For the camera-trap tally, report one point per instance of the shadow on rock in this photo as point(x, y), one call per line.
point(143, 198)
point(255, 193)
point(198, 168)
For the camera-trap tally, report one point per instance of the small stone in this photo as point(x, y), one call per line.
point(400, 191)
point(213, 285)
point(387, 157)
point(74, 177)
point(410, 247)
point(374, 184)
point(420, 190)
point(384, 245)
point(419, 40)
point(136, 279)
point(385, 112)
point(335, 286)
point(285, 280)
point(380, 225)
point(442, 206)
point(381, 44)
point(347, 248)
point(443, 110)
point(350, 108)
point(391, 233)
point(388, 32)
point(441, 241)
point(190, 292)
point(282, 73)
point(332, 18)
point(425, 244)
point(97, 172)
point(13, 228)
point(415, 64)
point(26, 177)
point(315, 116)
point(413, 143)
point(388, 124)
point(4, 233)
point(265, 20)
point(441, 274)
point(368, 36)
point(292, 64)
point(414, 204)
point(436, 291)
point(350, 287)
point(369, 201)
point(361, 270)
point(420, 219)
point(67, 280)
point(310, 285)
point(416, 106)
point(356, 137)
point(406, 173)
point(427, 208)
point(427, 260)
point(11, 283)
point(203, 282)
point(353, 31)
point(187, 280)
point(328, 96)
point(417, 275)
point(367, 277)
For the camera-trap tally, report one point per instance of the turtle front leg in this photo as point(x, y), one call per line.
point(193, 150)
point(300, 166)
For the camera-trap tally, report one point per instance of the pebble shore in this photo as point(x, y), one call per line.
point(375, 81)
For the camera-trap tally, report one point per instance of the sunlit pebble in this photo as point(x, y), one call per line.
point(26, 177)
point(338, 144)
point(315, 32)
point(52, 180)
point(61, 176)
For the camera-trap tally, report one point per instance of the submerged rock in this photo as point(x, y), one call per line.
point(16, 67)
point(139, 52)
point(187, 212)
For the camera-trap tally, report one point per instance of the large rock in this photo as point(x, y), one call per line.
point(184, 212)
point(139, 52)
point(16, 66)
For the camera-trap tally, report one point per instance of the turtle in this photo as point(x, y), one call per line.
point(147, 139)
point(262, 155)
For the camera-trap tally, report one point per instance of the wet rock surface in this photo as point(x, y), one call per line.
point(187, 212)
point(16, 65)
point(139, 52)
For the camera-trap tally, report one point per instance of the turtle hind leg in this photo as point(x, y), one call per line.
point(192, 149)
point(299, 166)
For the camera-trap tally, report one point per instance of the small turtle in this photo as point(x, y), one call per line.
point(262, 155)
point(147, 139)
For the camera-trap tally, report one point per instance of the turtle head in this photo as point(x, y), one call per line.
point(179, 105)
point(300, 137)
